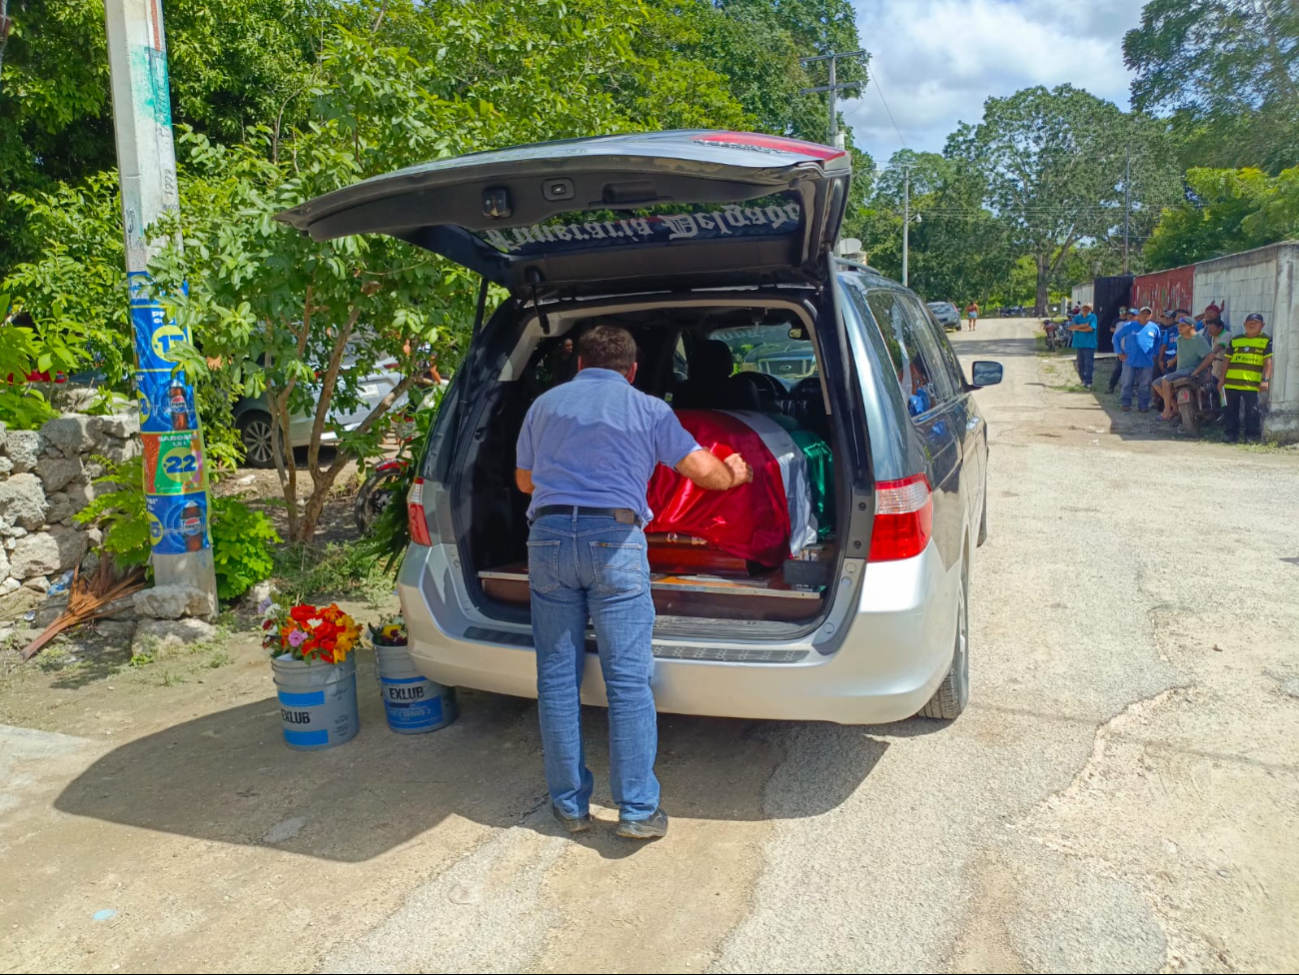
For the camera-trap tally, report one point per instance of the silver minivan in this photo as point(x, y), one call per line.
point(687, 239)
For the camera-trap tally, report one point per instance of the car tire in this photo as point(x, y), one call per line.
point(255, 434)
point(953, 693)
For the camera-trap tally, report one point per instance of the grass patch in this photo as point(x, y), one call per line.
point(339, 570)
point(219, 659)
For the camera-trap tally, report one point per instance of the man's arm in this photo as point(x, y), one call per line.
point(703, 467)
point(523, 479)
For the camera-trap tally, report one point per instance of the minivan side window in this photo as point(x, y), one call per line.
point(954, 370)
point(921, 373)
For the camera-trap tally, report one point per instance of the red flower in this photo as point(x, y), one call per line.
point(303, 613)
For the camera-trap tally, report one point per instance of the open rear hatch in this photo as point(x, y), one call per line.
point(616, 214)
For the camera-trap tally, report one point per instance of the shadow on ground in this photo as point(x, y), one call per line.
point(227, 777)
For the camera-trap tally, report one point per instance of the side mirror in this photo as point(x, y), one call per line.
point(798, 333)
point(986, 374)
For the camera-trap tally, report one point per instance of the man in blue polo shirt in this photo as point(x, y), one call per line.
point(1139, 347)
point(1083, 328)
point(1127, 321)
point(585, 454)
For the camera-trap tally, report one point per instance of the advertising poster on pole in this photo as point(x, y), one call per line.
point(177, 523)
point(166, 402)
point(173, 463)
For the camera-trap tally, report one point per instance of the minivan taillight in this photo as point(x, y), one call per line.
point(904, 518)
point(415, 514)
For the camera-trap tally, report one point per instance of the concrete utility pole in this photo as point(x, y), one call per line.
point(906, 222)
point(175, 472)
point(836, 139)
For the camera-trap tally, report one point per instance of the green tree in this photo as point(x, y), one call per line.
point(1054, 162)
point(1232, 210)
point(1227, 71)
point(232, 64)
point(958, 248)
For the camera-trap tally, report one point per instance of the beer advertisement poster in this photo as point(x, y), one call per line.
point(173, 463)
point(177, 523)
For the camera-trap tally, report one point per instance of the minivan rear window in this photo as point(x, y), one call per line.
point(776, 215)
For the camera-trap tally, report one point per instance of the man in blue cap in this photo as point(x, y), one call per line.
point(1138, 348)
point(1126, 323)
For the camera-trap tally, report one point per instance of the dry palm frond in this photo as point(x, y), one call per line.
point(89, 601)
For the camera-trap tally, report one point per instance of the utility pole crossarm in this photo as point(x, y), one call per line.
point(831, 59)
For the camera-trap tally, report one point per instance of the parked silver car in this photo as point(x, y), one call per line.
point(682, 237)
point(946, 313)
point(253, 419)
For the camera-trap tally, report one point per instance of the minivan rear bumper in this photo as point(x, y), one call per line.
point(896, 651)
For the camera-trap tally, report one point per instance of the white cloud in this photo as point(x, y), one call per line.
point(936, 61)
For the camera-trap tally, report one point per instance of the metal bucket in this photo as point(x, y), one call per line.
point(317, 702)
point(413, 703)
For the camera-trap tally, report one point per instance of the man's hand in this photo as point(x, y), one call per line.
point(741, 472)
point(703, 467)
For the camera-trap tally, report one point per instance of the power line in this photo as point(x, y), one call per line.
point(887, 109)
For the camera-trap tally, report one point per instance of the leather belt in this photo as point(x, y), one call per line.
point(624, 516)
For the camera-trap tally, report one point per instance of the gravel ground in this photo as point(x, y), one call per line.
point(1120, 797)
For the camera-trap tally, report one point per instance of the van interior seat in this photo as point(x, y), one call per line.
point(711, 385)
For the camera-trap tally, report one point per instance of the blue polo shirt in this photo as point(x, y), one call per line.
point(1141, 345)
point(1084, 340)
point(1122, 332)
point(595, 441)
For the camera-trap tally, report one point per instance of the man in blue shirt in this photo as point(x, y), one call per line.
point(585, 455)
point(1084, 344)
point(1127, 321)
point(1139, 347)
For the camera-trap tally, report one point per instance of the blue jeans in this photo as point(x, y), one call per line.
point(1140, 377)
point(1085, 361)
point(580, 566)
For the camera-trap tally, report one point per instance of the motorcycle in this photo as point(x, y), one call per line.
point(1197, 400)
point(388, 478)
point(1057, 336)
point(378, 492)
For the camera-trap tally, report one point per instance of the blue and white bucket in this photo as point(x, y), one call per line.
point(413, 703)
point(317, 702)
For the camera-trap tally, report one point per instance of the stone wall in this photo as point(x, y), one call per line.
point(46, 477)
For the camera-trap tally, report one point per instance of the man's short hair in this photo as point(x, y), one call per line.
point(607, 347)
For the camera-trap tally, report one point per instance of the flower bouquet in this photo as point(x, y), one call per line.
point(390, 632)
point(309, 633)
point(315, 676)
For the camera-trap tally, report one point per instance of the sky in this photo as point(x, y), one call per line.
point(936, 61)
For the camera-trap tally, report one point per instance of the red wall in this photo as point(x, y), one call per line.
point(1166, 289)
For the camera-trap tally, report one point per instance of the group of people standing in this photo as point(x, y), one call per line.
point(1151, 355)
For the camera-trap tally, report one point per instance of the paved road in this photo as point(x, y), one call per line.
point(1121, 796)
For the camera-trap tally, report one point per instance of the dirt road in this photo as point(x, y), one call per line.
point(1122, 795)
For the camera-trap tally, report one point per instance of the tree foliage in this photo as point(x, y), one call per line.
point(958, 248)
point(1227, 71)
point(1055, 165)
point(1230, 210)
